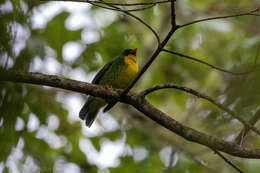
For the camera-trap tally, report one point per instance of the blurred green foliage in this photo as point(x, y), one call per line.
point(231, 44)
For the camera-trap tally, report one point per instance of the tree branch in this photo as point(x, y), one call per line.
point(136, 100)
point(205, 63)
point(203, 96)
point(250, 13)
point(173, 16)
point(137, 18)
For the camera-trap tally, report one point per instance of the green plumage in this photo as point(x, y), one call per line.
point(116, 74)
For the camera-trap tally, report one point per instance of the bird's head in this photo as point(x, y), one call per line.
point(130, 52)
point(130, 55)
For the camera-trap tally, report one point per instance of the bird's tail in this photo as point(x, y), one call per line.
point(90, 110)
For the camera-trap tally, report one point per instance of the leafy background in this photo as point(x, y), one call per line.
point(39, 126)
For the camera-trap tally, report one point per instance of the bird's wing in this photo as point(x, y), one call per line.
point(102, 72)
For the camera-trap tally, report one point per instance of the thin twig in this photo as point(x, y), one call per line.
point(173, 15)
point(228, 161)
point(134, 4)
point(250, 13)
point(115, 9)
point(171, 160)
point(203, 96)
point(117, 4)
point(137, 18)
point(141, 9)
point(240, 137)
point(205, 63)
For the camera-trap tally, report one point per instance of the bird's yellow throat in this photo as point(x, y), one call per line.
point(130, 60)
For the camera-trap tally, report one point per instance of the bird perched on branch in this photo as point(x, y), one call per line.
point(118, 73)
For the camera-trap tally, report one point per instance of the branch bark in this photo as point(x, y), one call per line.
point(137, 101)
point(203, 96)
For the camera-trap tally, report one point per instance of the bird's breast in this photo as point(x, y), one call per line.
point(128, 72)
point(132, 65)
point(121, 74)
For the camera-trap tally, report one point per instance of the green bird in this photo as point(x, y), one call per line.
point(118, 73)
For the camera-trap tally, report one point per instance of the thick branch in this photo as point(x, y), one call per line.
point(138, 102)
point(57, 82)
point(200, 95)
point(188, 133)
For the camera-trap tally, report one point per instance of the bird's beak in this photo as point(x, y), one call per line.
point(133, 51)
